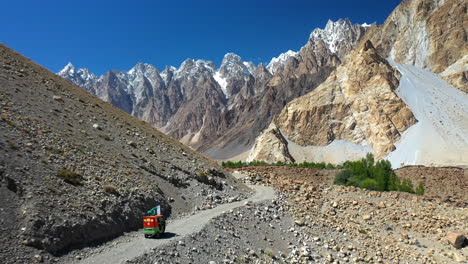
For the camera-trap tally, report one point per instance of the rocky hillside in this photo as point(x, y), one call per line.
point(75, 170)
point(314, 221)
point(220, 111)
point(338, 224)
point(356, 104)
point(427, 34)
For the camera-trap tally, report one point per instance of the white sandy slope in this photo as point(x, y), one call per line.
point(441, 135)
point(336, 152)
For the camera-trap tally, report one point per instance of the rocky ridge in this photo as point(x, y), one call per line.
point(75, 170)
point(347, 106)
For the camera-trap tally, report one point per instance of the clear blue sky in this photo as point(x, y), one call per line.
point(104, 35)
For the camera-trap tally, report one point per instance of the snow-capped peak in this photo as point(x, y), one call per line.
point(334, 33)
point(86, 74)
point(143, 68)
point(366, 25)
point(81, 77)
point(190, 68)
point(277, 62)
point(233, 65)
point(68, 69)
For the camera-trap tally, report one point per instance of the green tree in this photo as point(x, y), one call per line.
point(420, 189)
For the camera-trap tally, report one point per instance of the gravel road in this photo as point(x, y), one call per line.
point(177, 229)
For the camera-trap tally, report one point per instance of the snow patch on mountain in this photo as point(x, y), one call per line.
point(222, 83)
point(68, 69)
point(277, 62)
point(440, 137)
point(250, 66)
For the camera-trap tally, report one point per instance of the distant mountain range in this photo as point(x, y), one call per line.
point(210, 108)
point(223, 111)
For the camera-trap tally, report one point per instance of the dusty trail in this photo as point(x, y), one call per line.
point(180, 227)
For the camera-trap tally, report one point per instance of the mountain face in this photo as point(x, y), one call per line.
point(222, 111)
point(429, 35)
point(391, 96)
point(75, 170)
point(347, 107)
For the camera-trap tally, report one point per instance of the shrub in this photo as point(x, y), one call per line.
point(420, 190)
point(379, 176)
point(238, 164)
point(269, 253)
point(70, 177)
point(105, 137)
point(110, 189)
point(368, 183)
point(12, 145)
point(406, 186)
point(342, 178)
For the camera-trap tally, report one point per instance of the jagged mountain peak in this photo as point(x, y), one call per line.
point(331, 25)
point(232, 65)
point(143, 68)
point(277, 62)
point(81, 77)
point(69, 68)
point(339, 36)
point(231, 58)
point(191, 67)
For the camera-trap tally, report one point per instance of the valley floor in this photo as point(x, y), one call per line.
point(310, 220)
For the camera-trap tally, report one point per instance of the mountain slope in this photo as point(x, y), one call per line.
point(427, 34)
point(440, 137)
point(75, 170)
point(431, 36)
point(356, 104)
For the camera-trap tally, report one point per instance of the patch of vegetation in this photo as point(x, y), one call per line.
point(5, 117)
point(420, 189)
point(105, 137)
point(53, 150)
point(362, 231)
point(319, 165)
point(52, 189)
point(110, 189)
point(270, 253)
point(12, 145)
point(70, 177)
point(371, 175)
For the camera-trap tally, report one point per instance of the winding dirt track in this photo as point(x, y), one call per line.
point(180, 227)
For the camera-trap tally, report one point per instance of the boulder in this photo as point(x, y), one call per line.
point(456, 239)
